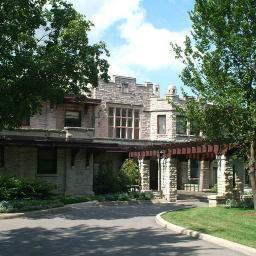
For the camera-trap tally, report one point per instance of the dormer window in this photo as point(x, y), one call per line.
point(73, 119)
point(125, 88)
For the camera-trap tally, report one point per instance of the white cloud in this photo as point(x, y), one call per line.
point(143, 45)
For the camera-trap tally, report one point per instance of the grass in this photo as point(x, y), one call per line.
point(234, 224)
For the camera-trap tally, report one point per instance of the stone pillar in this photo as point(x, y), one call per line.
point(144, 167)
point(204, 175)
point(169, 173)
point(185, 172)
point(225, 177)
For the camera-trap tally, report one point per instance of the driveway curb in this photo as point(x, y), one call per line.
point(6, 216)
point(212, 239)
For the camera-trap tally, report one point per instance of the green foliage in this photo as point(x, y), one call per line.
point(44, 54)
point(107, 181)
point(18, 188)
point(74, 199)
point(214, 189)
point(28, 205)
point(130, 172)
point(246, 202)
point(130, 196)
point(220, 63)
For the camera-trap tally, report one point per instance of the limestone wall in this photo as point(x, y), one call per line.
point(78, 179)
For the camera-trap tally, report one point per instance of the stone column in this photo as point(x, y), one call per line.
point(144, 166)
point(170, 179)
point(185, 172)
point(225, 177)
point(204, 175)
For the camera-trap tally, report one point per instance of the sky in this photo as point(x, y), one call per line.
point(138, 35)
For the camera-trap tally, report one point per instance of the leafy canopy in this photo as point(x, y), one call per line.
point(220, 68)
point(44, 54)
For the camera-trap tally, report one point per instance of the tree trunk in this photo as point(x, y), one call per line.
point(252, 173)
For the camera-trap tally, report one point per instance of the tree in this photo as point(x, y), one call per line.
point(130, 172)
point(44, 54)
point(220, 68)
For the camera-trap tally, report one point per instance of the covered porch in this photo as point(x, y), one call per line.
point(189, 166)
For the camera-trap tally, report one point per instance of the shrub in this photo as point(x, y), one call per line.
point(18, 188)
point(214, 189)
point(130, 172)
point(28, 205)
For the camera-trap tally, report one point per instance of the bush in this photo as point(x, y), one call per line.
point(12, 188)
point(74, 199)
point(28, 205)
point(214, 189)
point(130, 172)
point(108, 181)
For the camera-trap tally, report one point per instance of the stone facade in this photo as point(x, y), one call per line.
point(169, 181)
point(204, 175)
point(69, 180)
point(144, 166)
point(123, 114)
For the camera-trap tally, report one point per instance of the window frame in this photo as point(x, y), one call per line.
point(79, 120)
point(123, 122)
point(197, 176)
point(158, 124)
point(178, 125)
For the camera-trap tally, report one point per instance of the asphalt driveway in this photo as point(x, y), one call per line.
point(100, 229)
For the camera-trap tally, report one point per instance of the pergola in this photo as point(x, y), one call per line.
point(189, 150)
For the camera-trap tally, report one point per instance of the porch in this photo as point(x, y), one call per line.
point(194, 167)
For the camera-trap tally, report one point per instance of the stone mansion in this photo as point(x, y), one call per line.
point(67, 144)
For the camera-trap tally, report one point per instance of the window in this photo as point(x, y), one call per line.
point(1, 156)
point(194, 128)
point(180, 125)
point(194, 169)
point(73, 119)
point(125, 88)
point(47, 161)
point(161, 124)
point(123, 123)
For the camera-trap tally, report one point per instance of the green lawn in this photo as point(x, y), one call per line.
point(237, 225)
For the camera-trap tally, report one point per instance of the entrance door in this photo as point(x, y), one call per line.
point(153, 175)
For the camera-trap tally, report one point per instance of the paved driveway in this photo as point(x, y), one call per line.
point(100, 229)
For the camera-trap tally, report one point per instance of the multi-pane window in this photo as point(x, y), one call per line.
point(123, 123)
point(181, 125)
point(72, 119)
point(47, 161)
point(161, 124)
point(1, 156)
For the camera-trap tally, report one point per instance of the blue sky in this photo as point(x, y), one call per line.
point(138, 35)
